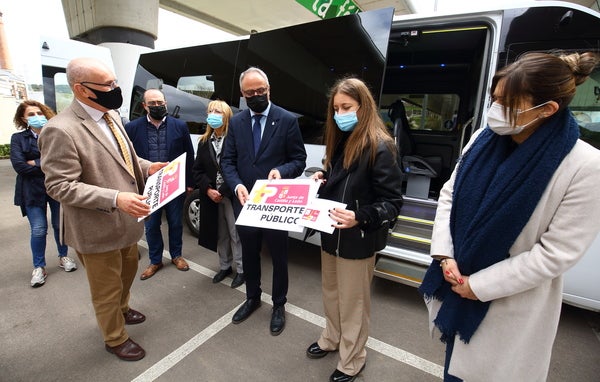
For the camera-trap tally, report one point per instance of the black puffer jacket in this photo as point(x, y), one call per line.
point(373, 192)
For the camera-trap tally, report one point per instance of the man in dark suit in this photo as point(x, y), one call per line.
point(263, 142)
point(158, 137)
point(93, 171)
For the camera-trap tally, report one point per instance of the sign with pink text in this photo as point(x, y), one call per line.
point(166, 184)
point(278, 204)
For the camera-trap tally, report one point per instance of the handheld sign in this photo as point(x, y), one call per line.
point(166, 184)
point(278, 203)
point(316, 215)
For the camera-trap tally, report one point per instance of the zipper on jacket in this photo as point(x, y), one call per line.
point(337, 249)
point(362, 233)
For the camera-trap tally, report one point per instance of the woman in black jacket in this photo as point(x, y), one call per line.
point(30, 192)
point(217, 221)
point(362, 172)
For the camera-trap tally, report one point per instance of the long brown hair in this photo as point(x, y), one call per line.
point(543, 77)
point(224, 108)
point(20, 113)
point(368, 132)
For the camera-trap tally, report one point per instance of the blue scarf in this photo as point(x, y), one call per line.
point(497, 187)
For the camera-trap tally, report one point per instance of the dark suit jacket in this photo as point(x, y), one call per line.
point(29, 188)
point(178, 141)
point(281, 147)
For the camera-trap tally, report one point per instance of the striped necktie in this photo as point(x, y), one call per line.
point(120, 142)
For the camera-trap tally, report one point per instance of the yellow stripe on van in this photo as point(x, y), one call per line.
point(417, 239)
point(453, 30)
point(401, 276)
point(415, 220)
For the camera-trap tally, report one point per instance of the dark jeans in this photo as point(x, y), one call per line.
point(174, 212)
point(39, 229)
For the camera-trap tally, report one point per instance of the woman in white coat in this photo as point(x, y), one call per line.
point(508, 224)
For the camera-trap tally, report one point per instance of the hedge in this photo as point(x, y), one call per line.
point(5, 151)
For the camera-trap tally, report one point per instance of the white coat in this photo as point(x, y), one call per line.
point(514, 340)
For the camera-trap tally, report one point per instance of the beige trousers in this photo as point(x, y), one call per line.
point(347, 302)
point(110, 275)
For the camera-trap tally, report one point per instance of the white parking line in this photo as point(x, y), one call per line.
point(178, 354)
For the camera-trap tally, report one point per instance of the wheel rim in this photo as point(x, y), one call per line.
point(193, 214)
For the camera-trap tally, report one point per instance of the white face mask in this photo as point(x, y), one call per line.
point(500, 124)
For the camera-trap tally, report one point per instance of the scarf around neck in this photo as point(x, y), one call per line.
point(495, 192)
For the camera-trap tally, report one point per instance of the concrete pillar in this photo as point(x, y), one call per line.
point(5, 61)
point(127, 27)
point(125, 59)
point(122, 21)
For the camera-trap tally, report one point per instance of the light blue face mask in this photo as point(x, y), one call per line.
point(36, 121)
point(346, 121)
point(214, 120)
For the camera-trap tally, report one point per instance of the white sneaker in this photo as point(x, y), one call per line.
point(67, 264)
point(38, 277)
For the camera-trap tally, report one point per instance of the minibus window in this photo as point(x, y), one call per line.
point(64, 95)
point(586, 109)
point(426, 112)
point(200, 86)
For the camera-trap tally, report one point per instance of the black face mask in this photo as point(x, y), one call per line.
point(257, 103)
point(112, 99)
point(158, 112)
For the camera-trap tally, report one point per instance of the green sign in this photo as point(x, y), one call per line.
point(327, 9)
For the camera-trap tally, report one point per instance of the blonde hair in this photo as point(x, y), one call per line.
point(224, 108)
point(368, 132)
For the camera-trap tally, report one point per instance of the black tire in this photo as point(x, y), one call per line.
point(191, 212)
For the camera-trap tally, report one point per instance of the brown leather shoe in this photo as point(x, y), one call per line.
point(127, 351)
point(180, 263)
point(133, 317)
point(151, 270)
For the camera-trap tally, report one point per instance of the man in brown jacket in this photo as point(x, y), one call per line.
point(93, 170)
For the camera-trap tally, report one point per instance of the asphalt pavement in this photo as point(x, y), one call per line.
point(50, 333)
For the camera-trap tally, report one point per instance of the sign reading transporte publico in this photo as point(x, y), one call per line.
point(278, 204)
point(327, 9)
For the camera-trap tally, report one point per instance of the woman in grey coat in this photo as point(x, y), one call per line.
point(508, 224)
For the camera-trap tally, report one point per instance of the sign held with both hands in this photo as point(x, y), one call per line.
point(287, 205)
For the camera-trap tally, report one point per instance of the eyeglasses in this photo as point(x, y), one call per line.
point(259, 91)
point(112, 84)
point(155, 103)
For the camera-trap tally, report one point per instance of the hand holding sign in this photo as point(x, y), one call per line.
point(165, 184)
point(316, 215)
point(277, 204)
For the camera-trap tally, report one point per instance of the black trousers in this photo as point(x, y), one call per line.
point(276, 241)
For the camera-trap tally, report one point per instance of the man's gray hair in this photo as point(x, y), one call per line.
point(78, 69)
point(255, 70)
